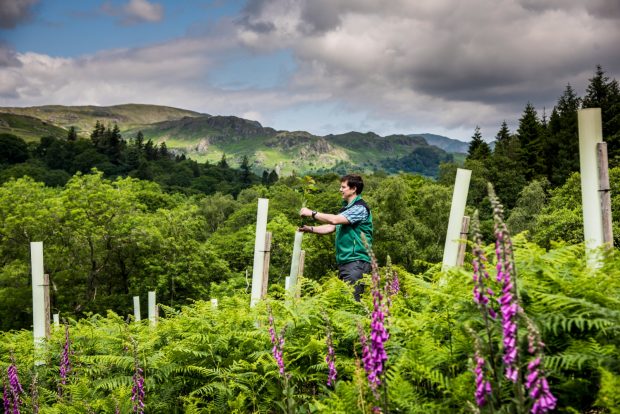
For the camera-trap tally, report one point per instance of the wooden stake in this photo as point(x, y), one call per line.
point(460, 259)
point(266, 264)
point(46, 305)
point(604, 189)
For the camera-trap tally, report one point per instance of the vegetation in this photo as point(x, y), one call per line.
point(144, 218)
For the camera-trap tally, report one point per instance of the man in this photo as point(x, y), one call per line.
point(353, 220)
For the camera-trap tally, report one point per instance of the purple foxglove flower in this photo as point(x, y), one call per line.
point(538, 389)
point(6, 398)
point(15, 387)
point(278, 345)
point(330, 359)
point(483, 386)
point(137, 391)
point(65, 363)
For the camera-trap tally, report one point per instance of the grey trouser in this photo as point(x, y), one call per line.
point(352, 272)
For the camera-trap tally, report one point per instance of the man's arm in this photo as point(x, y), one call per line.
point(323, 229)
point(324, 217)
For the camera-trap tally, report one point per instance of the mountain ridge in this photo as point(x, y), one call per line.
point(206, 137)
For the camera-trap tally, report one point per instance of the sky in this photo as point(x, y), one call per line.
point(322, 66)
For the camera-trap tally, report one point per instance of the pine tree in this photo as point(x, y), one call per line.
point(273, 177)
point(97, 133)
point(246, 174)
point(530, 143)
point(163, 151)
point(223, 163)
point(72, 134)
point(139, 141)
point(150, 151)
point(562, 143)
point(605, 94)
point(478, 148)
point(506, 144)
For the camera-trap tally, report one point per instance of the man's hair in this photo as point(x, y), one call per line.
point(354, 181)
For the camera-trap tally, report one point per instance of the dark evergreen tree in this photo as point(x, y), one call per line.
point(97, 133)
point(273, 177)
point(605, 94)
point(150, 150)
point(265, 178)
point(246, 174)
point(223, 163)
point(530, 143)
point(478, 148)
point(562, 143)
point(163, 151)
point(72, 134)
point(139, 141)
point(506, 144)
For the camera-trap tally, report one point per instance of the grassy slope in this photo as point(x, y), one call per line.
point(84, 117)
point(28, 128)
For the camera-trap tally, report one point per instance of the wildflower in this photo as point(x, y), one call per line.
point(536, 382)
point(330, 359)
point(538, 389)
point(395, 285)
point(65, 363)
point(378, 332)
point(483, 386)
point(14, 386)
point(137, 391)
point(6, 398)
point(481, 275)
point(508, 300)
point(278, 344)
point(34, 393)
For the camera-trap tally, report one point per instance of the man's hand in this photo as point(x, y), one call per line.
point(305, 212)
point(306, 229)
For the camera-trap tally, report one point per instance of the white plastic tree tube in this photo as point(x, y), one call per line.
point(259, 251)
point(38, 300)
point(590, 133)
point(457, 211)
point(295, 262)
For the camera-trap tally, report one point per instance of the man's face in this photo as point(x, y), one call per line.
point(346, 191)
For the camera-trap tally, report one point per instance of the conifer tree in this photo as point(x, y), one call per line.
point(605, 94)
point(562, 144)
point(223, 163)
point(163, 150)
point(139, 141)
point(530, 143)
point(246, 174)
point(72, 134)
point(478, 148)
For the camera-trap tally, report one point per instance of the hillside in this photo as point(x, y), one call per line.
point(28, 127)
point(445, 143)
point(205, 137)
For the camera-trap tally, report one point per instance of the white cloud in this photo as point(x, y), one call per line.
point(13, 12)
point(135, 11)
point(440, 66)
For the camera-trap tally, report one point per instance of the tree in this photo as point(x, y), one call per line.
point(246, 174)
point(562, 143)
point(273, 177)
point(605, 94)
point(223, 163)
point(13, 149)
point(163, 150)
point(72, 134)
point(478, 148)
point(529, 135)
point(139, 141)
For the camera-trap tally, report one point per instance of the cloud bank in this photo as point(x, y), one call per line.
point(440, 66)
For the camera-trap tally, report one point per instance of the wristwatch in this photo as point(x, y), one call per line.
point(314, 212)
